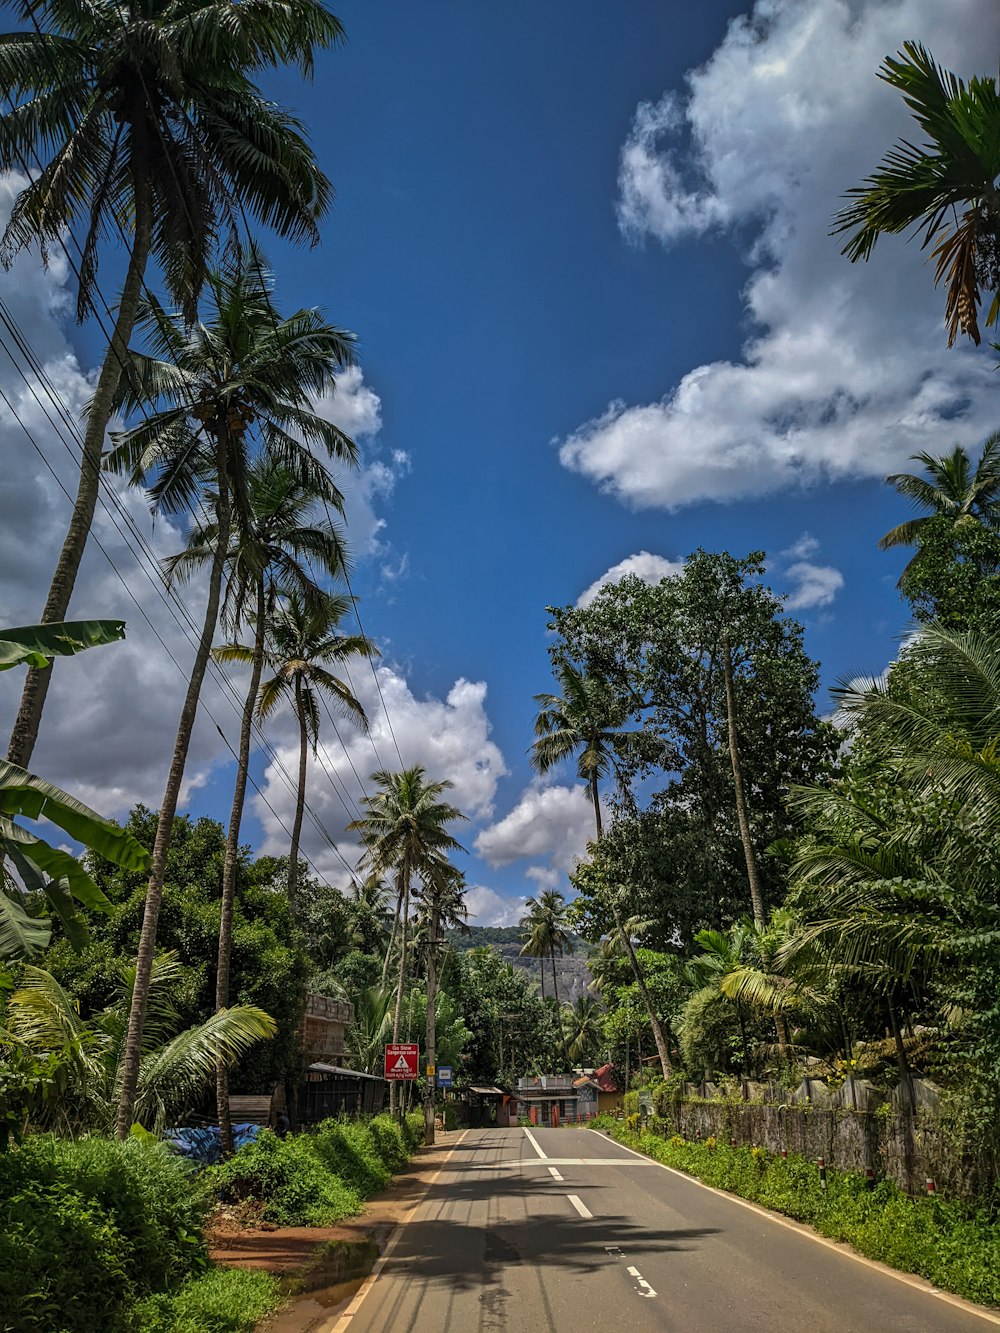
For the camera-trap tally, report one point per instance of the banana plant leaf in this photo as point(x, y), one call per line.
point(21, 793)
point(19, 850)
point(21, 935)
point(33, 645)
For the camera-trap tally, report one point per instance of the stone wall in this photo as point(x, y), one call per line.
point(906, 1147)
point(322, 1029)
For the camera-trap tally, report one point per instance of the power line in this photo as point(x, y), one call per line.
point(170, 599)
point(139, 607)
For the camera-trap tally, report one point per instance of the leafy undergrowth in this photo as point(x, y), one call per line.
point(316, 1179)
point(88, 1229)
point(223, 1300)
point(954, 1247)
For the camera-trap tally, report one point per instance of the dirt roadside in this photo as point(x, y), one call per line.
point(323, 1267)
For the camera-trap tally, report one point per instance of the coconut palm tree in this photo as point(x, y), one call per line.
point(148, 114)
point(301, 645)
point(368, 913)
point(405, 834)
point(585, 1029)
point(546, 927)
point(945, 189)
point(621, 939)
point(952, 489)
point(442, 904)
point(43, 1019)
point(218, 394)
point(273, 546)
point(366, 1037)
point(579, 722)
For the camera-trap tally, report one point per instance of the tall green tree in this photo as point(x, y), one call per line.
point(278, 541)
point(661, 649)
point(148, 116)
point(951, 489)
point(944, 190)
point(218, 394)
point(405, 834)
point(546, 927)
point(301, 645)
point(583, 722)
point(441, 905)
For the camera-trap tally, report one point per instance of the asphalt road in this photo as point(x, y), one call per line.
point(562, 1230)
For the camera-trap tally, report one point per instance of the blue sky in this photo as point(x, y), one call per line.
point(601, 321)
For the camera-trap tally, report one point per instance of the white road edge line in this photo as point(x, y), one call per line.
point(909, 1279)
point(579, 1205)
point(344, 1320)
point(554, 1173)
point(534, 1143)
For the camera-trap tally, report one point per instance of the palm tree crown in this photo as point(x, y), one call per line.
point(946, 189)
point(952, 489)
point(577, 723)
point(150, 107)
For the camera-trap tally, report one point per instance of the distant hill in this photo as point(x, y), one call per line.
point(571, 969)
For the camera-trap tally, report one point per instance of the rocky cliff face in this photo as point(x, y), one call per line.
point(571, 969)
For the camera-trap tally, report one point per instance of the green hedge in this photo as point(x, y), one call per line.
point(316, 1179)
point(88, 1228)
point(953, 1247)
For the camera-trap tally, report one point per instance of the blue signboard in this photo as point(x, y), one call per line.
point(444, 1076)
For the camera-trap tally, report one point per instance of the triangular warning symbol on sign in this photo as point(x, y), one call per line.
point(401, 1064)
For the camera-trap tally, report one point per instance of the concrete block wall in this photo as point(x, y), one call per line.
point(907, 1149)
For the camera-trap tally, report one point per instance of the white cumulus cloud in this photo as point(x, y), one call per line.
point(812, 585)
point(644, 565)
point(488, 908)
point(549, 821)
point(845, 371)
point(450, 737)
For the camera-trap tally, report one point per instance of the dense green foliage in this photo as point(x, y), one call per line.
point(316, 1179)
point(954, 1248)
point(270, 966)
point(658, 649)
point(124, 1219)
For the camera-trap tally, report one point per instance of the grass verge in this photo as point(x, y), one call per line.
point(954, 1247)
point(319, 1178)
point(223, 1300)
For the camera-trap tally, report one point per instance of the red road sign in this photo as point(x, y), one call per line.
point(402, 1060)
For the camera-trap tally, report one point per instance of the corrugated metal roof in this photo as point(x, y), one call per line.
point(320, 1068)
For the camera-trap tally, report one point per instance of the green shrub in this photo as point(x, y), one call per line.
point(223, 1300)
point(630, 1104)
point(413, 1130)
point(353, 1150)
point(89, 1227)
point(940, 1239)
point(391, 1142)
point(288, 1178)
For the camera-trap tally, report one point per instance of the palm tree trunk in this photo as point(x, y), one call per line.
point(300, 797)
point(647, 999)
point(654, 1022)
point(430, 1053)
point(397, 1017)
point(37, 680)
point(555, 992)
point(596, 798)
point(392, 941)
point(750, 856)
point(229, 870)
point(165, 822)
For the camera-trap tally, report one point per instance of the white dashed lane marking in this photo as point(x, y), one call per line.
point(579, 1205)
